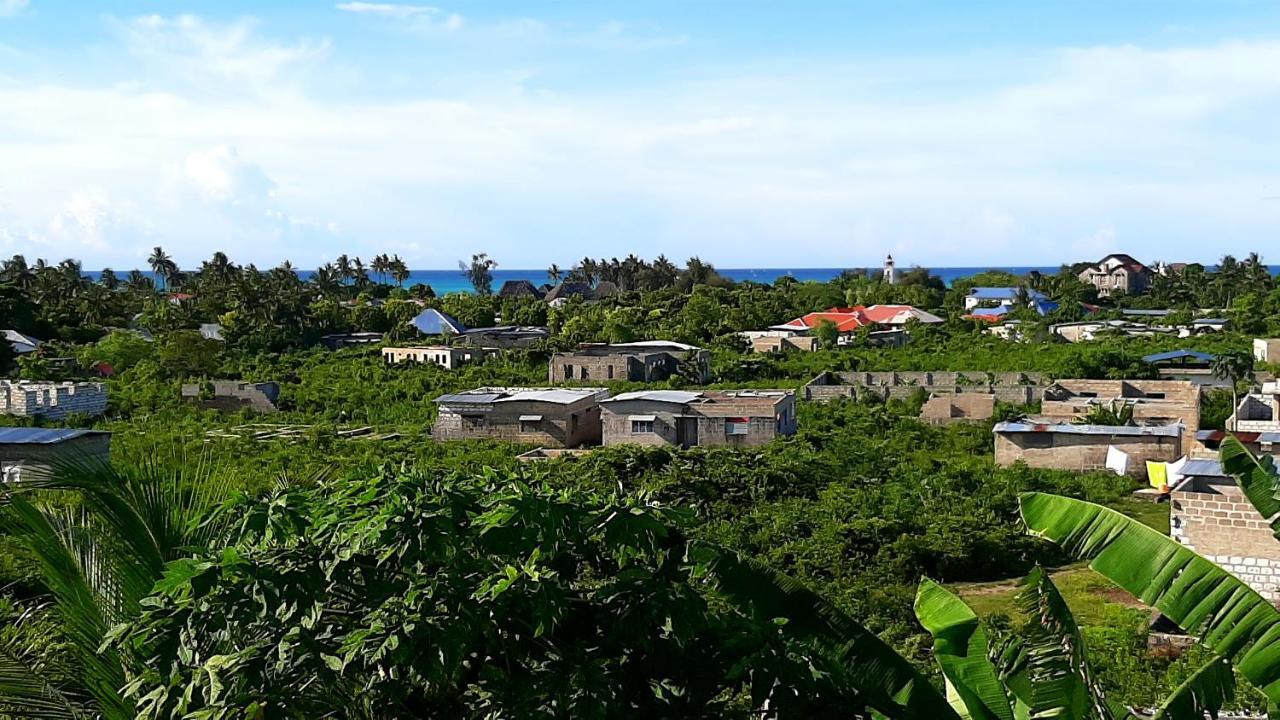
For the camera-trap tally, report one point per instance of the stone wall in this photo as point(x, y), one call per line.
point(1064, 451)
point(561, 425)
point(1219, 523)
point(1011, 387)
point(52, 401)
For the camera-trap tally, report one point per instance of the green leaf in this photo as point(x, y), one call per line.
point(885, 680)
point(1256, 476)
point(1206, 691)
point(1227, 615)
point(960, 648)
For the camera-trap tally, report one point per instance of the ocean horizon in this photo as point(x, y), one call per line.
point(444, 282)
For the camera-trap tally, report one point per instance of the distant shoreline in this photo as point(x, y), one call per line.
point(451, 281)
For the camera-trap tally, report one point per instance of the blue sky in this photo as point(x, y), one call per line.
point(750, 133)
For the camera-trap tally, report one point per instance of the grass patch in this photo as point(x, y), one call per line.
point(1153, 515)
point(1093, 599)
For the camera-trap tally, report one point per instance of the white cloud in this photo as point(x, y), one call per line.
point(387, 9)
point(420, 17)
point(9, 8)
point(225, 139)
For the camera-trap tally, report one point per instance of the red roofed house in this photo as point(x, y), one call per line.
point(849, 319)
point(1117, 273)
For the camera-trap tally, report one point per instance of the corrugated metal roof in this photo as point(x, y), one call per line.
point(42, 436)
point(1068, 429)
point(1202, 468)
point(486, 396)
point(658, 344)
point(679, 397)
point(1178, 355)
point(1003, 293)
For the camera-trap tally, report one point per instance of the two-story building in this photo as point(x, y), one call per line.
point(1152, 403)
point(645, 361)
point(549, 417)
point(1117, 272)
point(719, 418)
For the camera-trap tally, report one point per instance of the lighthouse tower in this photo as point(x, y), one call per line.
point(890, 272)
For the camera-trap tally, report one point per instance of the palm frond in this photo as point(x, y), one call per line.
point(960, 648)
point(1227, 616)
point(1205, 692)
point(886, 681)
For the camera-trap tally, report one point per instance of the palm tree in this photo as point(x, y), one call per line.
point(98, 560)
point(108, 279)
point(399, 270)
point(479, 273)
point(344, 267)
point(380, 265)
point(1233, 367)
point(554, 274)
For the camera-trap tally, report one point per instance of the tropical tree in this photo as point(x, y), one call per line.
point(399, 270)
point(163, 266)
point(1116, 412)
point(101, 538)
point(479, 273)
point(1234, 367)
point(532, 601)
point(554, 273)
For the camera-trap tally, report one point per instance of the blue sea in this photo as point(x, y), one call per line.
point(450, 281)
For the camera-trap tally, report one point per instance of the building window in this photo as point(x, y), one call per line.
point(529, 426)
point(610, 372)
point(641, 427)
point(568, 371)
point(737, 426)
point(585, 375)
point(474, 421)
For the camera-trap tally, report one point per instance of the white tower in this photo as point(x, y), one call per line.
point(890, 272)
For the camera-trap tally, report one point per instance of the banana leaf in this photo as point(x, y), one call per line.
point(1227, 616)
point(960, 648)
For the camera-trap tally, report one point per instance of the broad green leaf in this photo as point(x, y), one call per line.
point(1256, 476)
point(960, 649)
point(1227, 615)
point(886, 681)
point(1206, 691)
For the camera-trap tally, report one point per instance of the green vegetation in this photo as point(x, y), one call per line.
point(330, 562)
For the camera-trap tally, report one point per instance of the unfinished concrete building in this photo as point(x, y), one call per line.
point(1152, 402)
point(52, 400)
point(1012, 387)
point(233, 395)
point(445, 356)
point(550, 417)
point(1209, 514)
point(1085, 447)
point(646, 361)
point(736, 418)
point(1258, 412)
point(947, 408)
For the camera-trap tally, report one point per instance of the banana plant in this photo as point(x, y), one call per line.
point(1256, 476)
point(1044, 672)
point(1223, 613)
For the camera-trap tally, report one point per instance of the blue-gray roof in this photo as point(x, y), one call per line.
point(1003, 293)
point(42, 436)
point(1202, 468)
point(435, 322)
point(1179, 355)
point(1070, 429)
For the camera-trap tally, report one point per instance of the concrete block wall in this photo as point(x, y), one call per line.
point(231, 395)
point(1223, 526)
point(944, 409)
point(52, 401)
point(562, 426)
point(1061, 451)
point(1012, 387)
point(1180, 402)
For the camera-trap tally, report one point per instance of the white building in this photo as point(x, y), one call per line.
point(1258, 412)
point(1266, 350)
point(446, 356)
point(891, 274)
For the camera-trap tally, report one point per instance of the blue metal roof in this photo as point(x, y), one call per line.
point(990, 312)
point(434, 322)
point(41, 436)
point(1178, 355)
point(1003, 293)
